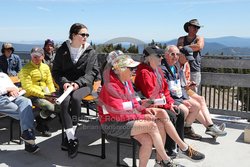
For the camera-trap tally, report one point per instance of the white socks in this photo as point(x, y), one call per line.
point(71, 133)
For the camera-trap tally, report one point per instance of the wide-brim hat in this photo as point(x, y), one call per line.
point(193, 22)
point(7, 46)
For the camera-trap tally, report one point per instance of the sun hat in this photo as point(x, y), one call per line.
point(124, 61)
point(193, 22)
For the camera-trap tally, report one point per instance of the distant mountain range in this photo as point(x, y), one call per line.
point(229, 45)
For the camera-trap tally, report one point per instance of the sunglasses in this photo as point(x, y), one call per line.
point(174, 54)
point(196, 27)
point(84, 35)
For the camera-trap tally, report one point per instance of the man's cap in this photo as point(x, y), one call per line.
point(153, 50)
point(37, 51)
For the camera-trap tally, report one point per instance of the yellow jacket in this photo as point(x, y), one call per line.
point(35, 78)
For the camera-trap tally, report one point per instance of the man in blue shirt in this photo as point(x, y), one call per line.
point(9, 63)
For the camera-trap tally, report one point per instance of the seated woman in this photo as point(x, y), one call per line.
point(36, 79)
point(204, 116)
point(149, 82)
point(122, 116)
point(19, 108)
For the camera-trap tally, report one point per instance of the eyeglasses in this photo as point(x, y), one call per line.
point(174, 54)
point(84, 35)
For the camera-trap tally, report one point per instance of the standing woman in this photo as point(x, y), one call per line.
point(75, 65)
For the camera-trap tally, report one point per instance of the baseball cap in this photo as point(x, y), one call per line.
point(37, 51)
point(153, 50)
point(188, 52)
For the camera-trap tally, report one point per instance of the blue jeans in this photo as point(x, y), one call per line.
point(20, 109)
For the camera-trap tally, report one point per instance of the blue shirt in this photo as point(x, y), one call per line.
point(11, 66)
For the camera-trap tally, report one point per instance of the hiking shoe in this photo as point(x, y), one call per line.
point(189, 133)
point(31, 148)
point(215, 131)
point(43, 130)
point(28, 136)
point(169, 163)
point(73, 148)
point(65, 144)
point(191, 154)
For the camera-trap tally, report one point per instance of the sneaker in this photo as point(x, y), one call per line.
point(31, 148)
point(222, 126)
point(189, 133)
point(215, 131)
point(73, 148)
point(172, 154)
point(169, 163)
point(44, 114)
point(64, 144)
point(191, 154)
point(28, 136)
point(43, 130)
point(157, 164)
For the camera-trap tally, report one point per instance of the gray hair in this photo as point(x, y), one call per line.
point(169, 47)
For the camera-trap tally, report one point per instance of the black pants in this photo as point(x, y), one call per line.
point(71, 107)
point(178, 122)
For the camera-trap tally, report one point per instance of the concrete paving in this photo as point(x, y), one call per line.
point(228, 151)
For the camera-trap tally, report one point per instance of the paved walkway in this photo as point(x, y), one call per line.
point(228, 151)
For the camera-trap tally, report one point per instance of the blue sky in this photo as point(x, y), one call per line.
point(161, 20)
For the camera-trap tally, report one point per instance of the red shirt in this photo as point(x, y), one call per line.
point(146, 82)
point(113, 99)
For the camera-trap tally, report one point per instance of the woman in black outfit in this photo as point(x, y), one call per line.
point(75, 65)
